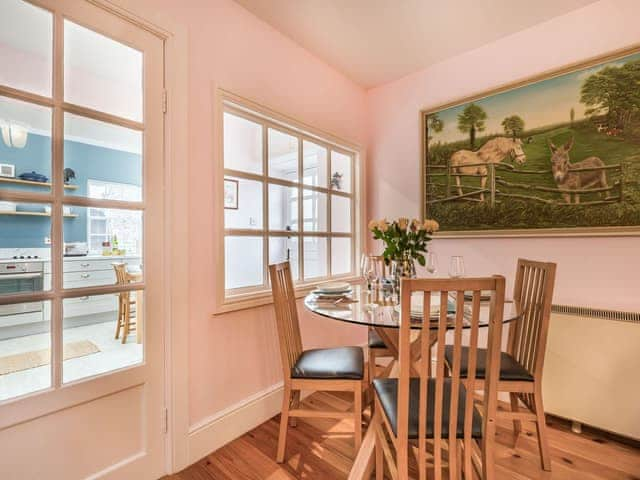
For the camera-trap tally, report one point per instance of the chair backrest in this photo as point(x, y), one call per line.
point(284, 301)
point(533, 292)
point(465, 319)
point(121, 273)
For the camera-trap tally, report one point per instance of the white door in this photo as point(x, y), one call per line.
point(81, 194)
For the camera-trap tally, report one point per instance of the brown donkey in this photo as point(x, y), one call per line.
point(567, 179)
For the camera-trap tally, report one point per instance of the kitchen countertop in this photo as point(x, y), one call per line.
point(69, 259)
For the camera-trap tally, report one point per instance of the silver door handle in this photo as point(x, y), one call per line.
point(85, 265)
point(20, 276)
point(85, 275)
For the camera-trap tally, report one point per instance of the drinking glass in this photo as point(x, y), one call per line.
point(456, 267)
point(370, 270)
point(432, 263)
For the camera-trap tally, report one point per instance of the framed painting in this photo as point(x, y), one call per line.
point(558, 154)
point(231, 194)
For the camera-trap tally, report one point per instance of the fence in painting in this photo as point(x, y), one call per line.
point(497, 187)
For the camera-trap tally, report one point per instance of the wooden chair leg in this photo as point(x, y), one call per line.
point(379, 457)
point(541, 427)
point(295, 403)
point(119, 320)
point(517, 424)
point(357, 414)
point(126, 308)
point(284, 422)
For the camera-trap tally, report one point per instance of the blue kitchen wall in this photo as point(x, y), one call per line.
point(88, 162)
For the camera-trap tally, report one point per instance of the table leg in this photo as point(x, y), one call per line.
point(139, 316)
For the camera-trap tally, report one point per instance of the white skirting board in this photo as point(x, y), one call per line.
point(592, 372)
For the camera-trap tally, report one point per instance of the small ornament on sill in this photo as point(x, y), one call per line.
point(336, 180)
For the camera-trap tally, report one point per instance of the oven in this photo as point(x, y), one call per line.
point(21, 277)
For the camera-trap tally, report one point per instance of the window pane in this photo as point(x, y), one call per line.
point(283, 156)
point(25, 146)
point(242, 144)
point(25, 230)
point(102, 160)
point(340, 172)
point(282, 249)
point(246, 197)
point(314, 164)
point(92, 342)
point(315, 211)
point(95, 239)
point(101, 73)
point(243, 262)
point(283, 208)
point(340, 214)
point(25, 348)
point(340, 256)
point(315, 257)
point(26, 37)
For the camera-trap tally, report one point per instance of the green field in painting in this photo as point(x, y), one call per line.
point(510, 213)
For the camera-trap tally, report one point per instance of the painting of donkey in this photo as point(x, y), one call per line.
point(567, 179)
point(466, 162)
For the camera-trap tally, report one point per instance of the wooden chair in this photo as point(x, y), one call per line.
point(440, 410)
point(377, 347)
point(522, 364)
point(325, 369)
point(125, 304)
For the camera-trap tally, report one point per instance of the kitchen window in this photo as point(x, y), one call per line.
point(288, 195)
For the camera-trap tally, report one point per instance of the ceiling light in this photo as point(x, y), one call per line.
point(14, 135)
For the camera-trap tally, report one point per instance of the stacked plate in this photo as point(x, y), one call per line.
point(417, 306)
point(332, 290)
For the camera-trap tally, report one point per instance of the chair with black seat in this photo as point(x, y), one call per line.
point(438, 409)
point(522, 364)
point(324, 369)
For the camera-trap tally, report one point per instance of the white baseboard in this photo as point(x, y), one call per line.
point(221, 428)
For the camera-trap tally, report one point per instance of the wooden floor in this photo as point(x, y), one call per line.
point(323, 449)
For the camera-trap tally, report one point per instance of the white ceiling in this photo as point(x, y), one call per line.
point(377, 41)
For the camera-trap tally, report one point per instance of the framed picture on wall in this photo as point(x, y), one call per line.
point(230, 194)
point(558, 154)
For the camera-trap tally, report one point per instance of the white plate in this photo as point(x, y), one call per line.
point(319, 293)
point(333, 287)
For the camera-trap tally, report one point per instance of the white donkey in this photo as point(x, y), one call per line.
point(466, 162)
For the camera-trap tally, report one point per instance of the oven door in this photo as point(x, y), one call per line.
point(20, 283)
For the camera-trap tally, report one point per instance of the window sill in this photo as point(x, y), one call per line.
point(259, 299)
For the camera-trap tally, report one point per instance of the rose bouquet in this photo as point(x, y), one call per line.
point(404, 239)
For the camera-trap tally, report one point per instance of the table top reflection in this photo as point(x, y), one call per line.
point(376, 310)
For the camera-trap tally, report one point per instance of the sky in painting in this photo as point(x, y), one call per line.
point(543, 103)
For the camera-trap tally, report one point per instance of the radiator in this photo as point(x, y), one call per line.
point(592, 368)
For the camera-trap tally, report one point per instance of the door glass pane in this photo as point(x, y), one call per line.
point(243, 203)
point(314, 162)
point(283, 208)
point(25, 146)
point(340, 172)
point(282, 249)
point(101, 73)
point(242, 144)
point(340, 214)
point(97, 238)
point(25, 348)
point(243, 262)
point(93, 343)
point(315, 257)
point(25, 232)
point(283, 156)
point(102, 160)
point(26, 47)
point(340, 256)
point(314, 211)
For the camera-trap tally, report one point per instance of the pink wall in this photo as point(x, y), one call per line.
point(236, 355)
point(592, 271)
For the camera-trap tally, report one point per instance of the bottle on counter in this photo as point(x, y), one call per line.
point(114, 246)
point(106, 248)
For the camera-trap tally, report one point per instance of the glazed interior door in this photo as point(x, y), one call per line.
point(81, 244)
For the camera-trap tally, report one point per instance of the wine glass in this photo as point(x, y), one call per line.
point(369, 269)
point(431, 263)
point(456, 267)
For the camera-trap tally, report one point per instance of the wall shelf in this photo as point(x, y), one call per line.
point(17, 181)
point(37, 214)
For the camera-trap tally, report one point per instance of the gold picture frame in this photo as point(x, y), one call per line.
point(426, 172)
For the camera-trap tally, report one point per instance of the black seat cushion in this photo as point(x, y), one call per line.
point(345, 363)
point(387, 391)
point(510, 369)
point(374, 340)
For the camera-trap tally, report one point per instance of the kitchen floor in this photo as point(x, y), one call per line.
point(112, 355)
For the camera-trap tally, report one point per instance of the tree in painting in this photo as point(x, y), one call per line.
point(435, 124)
point(471, 121)
point(513, 125)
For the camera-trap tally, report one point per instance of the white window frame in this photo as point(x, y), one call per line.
point(240, 298)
